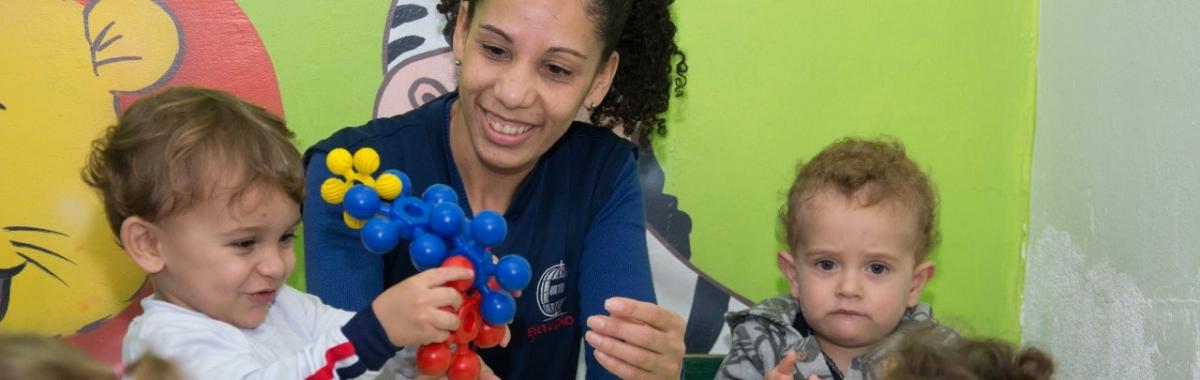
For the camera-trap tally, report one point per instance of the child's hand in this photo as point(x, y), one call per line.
point(783, 371)
point(409, 311)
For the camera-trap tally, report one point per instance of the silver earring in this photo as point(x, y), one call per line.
point(457, 62)
point(590, 107)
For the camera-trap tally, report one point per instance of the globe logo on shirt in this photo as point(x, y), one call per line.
point(551, 290)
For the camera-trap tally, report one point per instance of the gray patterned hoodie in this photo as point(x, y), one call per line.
point(763, 335)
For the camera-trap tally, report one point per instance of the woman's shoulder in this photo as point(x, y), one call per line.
point(421, 125)
point(593, 144)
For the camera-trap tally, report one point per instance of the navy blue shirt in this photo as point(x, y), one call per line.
point(577, 218)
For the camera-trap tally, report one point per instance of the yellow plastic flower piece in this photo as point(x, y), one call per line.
point(333, 190)
point(388, 186)
point(352, 222)
point(366, 161)
point(339, 161)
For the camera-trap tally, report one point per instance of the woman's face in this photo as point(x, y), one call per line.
point(527, 68)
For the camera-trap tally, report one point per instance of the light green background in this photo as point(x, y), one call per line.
point(328, 60)
point(771, 82)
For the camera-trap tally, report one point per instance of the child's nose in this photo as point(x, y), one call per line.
point(272, 263)
point(849, 286)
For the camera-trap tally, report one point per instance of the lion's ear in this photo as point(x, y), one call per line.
point(135, 44)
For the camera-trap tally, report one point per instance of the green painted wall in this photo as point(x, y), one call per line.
point(771, 82)
point(328, 60)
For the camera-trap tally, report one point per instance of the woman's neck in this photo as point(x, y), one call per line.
point(487, 188)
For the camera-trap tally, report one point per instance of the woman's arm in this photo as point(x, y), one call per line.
point(337, 266)
point(615, 264)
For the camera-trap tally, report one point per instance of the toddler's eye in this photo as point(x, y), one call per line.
point(243, 244)
point(826, 265)
point(877, 268)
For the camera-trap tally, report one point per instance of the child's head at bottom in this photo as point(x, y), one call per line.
point(34, 357)
point(860, 219)
point(203, 190)
point(932, 358)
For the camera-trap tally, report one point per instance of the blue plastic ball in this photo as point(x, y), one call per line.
point(488, 228)
point(405, 182)
point(446, 219)
point(380, 236)
point(512, 273)
point(361, 201)
point(439, 193)
point(427, 251)
point(497, 308)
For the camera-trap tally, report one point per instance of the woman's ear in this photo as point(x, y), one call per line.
point(140, 239)
point(461, 25)
point(603, 81)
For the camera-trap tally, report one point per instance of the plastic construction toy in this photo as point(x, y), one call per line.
point(440, 235)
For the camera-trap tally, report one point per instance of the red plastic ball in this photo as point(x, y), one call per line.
point(461, 262)
point(433, 359)
point(465, 366)
point(489, 336)
point(469, 323)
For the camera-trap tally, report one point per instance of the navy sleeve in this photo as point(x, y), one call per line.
point(369, 339)
point(338, 268)
point(615, 262)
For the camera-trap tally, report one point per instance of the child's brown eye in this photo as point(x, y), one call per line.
point(877, 268)
point(243, 244)
point(826, 265)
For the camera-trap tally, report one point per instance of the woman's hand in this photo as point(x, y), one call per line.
point(638, 340)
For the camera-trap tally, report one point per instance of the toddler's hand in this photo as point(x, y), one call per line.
point(783, 371)
point(409, 311)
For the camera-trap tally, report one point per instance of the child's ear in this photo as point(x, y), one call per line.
point(140, 239)
point(921, 275)
point(787, 265)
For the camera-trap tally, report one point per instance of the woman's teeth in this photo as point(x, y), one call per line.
point(508, 129)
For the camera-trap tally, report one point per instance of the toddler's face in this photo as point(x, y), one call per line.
point(854, 273)
point(228, 260)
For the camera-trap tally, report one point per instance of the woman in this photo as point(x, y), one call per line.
point(506, 141)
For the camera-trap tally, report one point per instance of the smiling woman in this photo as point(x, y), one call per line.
point(508, 141)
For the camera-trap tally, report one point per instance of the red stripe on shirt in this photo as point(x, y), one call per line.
point(332, 356)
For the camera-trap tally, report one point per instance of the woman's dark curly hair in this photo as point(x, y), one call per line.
point(642, 32)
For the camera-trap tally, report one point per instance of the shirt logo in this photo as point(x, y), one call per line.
point(551, 290)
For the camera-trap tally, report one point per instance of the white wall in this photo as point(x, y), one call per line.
point(1113, 260)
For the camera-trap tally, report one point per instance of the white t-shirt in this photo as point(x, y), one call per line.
point(300, 338)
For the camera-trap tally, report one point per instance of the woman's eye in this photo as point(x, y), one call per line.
point(557, 71)
point(877, 268)
point(287, 238)
point(493, 51)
